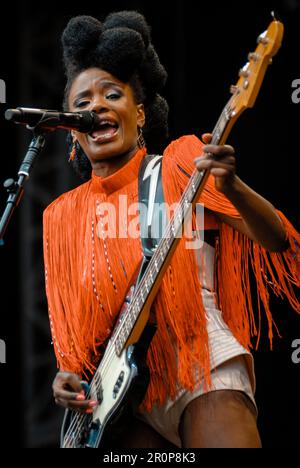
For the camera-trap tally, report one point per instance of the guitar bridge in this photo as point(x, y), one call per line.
point(93, 434)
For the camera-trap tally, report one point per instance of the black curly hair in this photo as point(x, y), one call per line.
point(121, 45)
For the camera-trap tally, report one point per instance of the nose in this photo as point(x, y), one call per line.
point(99, 105)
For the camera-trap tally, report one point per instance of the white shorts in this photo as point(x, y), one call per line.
point(232, 369)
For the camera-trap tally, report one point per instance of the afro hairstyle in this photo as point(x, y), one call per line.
point(120, 45)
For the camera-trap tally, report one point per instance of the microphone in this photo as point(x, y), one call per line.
point(85, 121)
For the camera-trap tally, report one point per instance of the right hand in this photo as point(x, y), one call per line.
point(68, 392)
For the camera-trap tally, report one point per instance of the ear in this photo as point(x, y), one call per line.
point(140, 115)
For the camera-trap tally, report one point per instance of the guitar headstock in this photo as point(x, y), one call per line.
point(252, 74)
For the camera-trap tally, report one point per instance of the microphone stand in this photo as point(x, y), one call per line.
point(15, 188)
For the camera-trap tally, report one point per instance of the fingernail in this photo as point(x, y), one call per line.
point(80, 397)
point(93, 403)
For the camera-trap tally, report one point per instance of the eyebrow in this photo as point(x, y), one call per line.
point(87, 92)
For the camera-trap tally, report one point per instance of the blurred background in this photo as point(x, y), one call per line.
point(202, 48)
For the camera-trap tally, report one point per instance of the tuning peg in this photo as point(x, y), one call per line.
point(253, 56)
point(262, 39)
point(234, 89)
point(244, 72)
point(275, 16)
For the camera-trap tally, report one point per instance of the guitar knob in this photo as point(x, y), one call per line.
point(253, 56)
point(234, 89)
point(262, 39)
point(244, 72)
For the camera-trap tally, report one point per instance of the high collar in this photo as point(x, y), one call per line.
point(120, 178)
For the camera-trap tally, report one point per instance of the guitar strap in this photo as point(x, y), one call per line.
point(152, 211)
point(151, 203)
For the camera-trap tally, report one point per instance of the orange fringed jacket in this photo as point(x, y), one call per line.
point(87, 276)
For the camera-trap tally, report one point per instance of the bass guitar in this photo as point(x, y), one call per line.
point(121, 379)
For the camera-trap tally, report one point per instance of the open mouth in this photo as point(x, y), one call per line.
point(105, 131)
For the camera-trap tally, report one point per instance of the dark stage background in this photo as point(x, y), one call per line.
point(202, 47)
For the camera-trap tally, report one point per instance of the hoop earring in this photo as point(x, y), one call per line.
point(75, 148)
point(140, 139)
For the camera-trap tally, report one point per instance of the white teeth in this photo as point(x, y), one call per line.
point(107, 122)
point(104, 136)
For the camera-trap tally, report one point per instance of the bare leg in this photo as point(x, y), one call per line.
point(220, 419)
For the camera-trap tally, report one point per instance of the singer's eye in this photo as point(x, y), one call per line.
point(81, 103)
point(113, 96)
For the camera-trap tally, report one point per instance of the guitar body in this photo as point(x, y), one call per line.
point(123, 388)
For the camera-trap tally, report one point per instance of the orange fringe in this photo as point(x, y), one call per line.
point(83, 306)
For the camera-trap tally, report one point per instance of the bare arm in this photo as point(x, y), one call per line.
point(259, 220)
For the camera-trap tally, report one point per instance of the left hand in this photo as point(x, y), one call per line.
point(222, 166)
